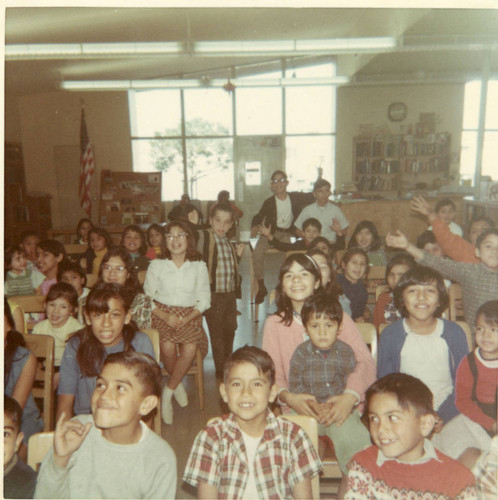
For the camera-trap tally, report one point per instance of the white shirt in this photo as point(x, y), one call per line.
point(284, 212)
point(325, 215)
point(251, 443)
point(184, 286)
point(453, 227)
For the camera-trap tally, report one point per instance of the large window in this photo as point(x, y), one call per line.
point(470, 131)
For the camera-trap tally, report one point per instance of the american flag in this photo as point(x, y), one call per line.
point(86, 166)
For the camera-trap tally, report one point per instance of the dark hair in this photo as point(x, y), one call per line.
point(490, 312)
point(445, 202)
point(91, 353)
point(408, 390)
point(332, 287)
point(322, 304)
point(222, 207)
point(420, 275)
point(132, 284)
point(322, 239)
point(9, 255)
point(350, 253)
point(312, 222)
point(13, 340)
point(136, 229)
point(27, 234)
point(80, 223)
point(70, 266)
point(254, 355)
point(284, 304)
point(156, 227)
point(54, 247)
point(401, 258)
point(366, 224)
point(223, 194)
point(485, 234)
point(13, 410)
point(144, 367)
point(64, 291)
point(278, 172)
point(479, 218)
point(192, 253)
point(425, 238)
point(321, 183)
point(103, 233)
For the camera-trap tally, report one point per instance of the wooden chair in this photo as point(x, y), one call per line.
point(382, 326)
point(42, 346)
point(379, 290)
point(456, 304)
point(468, 333)
point(369, 334)
point(75, 250)
point(154, 338)
point(91, 279)
point(38, 446)
point(376, 277)
point(30, 304)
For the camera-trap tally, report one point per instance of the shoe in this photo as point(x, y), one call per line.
point(181, 395)
point(167, 405)
point(260, 296)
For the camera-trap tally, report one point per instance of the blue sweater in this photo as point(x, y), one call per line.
point(391, 343)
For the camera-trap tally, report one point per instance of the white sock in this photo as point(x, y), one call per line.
point(167, 393)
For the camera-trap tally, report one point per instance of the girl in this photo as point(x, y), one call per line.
point(19, 280)
point(133, 241)
point(283, 331)
point(108, 329)
point(155, 236)
point(50, 253)
point(328, 276)
point(72, 273)
point(366, 237)
point(82, 230)
point(19, 376)
point(324, 245)
point(385, 311)
point(99, 240)
point(354, 266)
point(424, 345)
point(179, 285)
point(29, 243)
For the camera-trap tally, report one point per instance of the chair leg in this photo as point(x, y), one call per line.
point(200, 378)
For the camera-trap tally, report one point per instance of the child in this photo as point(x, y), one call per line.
point(19, 480)
point(365, 236)
point(486, 473)
point(354, 265)
point(72, 273)
point(250, 453)
point(82, 229)
point(446, 210)
point(334, 222)
point(311, 230)
point(385, 310)
point(222, 260)
point(155, 238)
point(49, 254)
point(402, 462)
point(324, 245)
point(108, 329)
point(29, 242)
point(112, 453)
point(427, 241)
point(320, 367)
point(133, 241)
point(423, 344)
point(479, 281)
point(99, 241)
point(19, 280)
point(60, 306)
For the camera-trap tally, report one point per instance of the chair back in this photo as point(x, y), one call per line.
point(42, 346)
point(30, 304)
point(75, 250)
point(382, 326)
point(468, 333)
point(38, 446)
point(456, 303)
point(369, 334)
point(154, 338)
point(379, 290)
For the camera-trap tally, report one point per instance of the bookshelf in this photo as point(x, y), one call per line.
point(400, 162)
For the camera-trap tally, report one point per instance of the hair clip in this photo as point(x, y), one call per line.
point(313, 262)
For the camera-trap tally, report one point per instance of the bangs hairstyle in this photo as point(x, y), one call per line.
point(321, 183)
point(322, 304)
point(144, 367)
point(421, 275)
point(192, 253)
point(425, 238)
point(81, 222)
point(322, 239)
point(70, 267)
point(132, 284)
point(222, 206)
point(313, 223)
point(350, 253)
point(27, 234)
point(445, 202)
point(54, 247)
point(366, 224)
point(403, 258)
point(484, 235)
point(103, 233)
point(136, 229)
point(284, 304)
point(9, 254)
point(409, 391)
point(490, 312)
point(154, 227)
point(332, 287)
point(13, 410)
point(64, 291)
point(254, 355)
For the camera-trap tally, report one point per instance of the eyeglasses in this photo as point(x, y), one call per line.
point(276, 181)
point(178, 236)
point(119, 269)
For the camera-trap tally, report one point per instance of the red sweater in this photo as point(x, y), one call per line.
point(443, 478)
point(454, 246)
point(485, 390)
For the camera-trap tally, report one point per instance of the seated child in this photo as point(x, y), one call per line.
point(385, 310)
point(60, 306)
point(403, 463)
point(82, 230)
point(72, 273)
point(112, 453)
point(19, 280)
point(99, 241)
point(311, 230)
point(19, 480)
point(279, 459)
point(427, 241)
point(133, 241)
point(29, 241)
point(49, 254)
point(446, 210)
point(320, 367)
point(365, 236)
point(155, 236)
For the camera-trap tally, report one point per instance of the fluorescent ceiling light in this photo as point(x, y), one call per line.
point(347, 44)
point(263, 46)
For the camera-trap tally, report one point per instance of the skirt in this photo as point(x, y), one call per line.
point(191, 333)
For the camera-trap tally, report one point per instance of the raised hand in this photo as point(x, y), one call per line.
point(336, 226)
point(397, 240)
point(420, 205)
point(68, 437)
point(265, 230)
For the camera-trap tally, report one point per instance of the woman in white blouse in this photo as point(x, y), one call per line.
point(178, 282)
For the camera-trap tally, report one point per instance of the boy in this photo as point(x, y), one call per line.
point(334, 222)
point(320, 367)
point(222, 259)
point(19, 279)
point(311, 230)
point(250, 453)
point(403, 463)
point(29, 241)
point(479, 281)
point(445, 211)
point(112, 453)
point(19, 480)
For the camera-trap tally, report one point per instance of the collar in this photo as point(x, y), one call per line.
point(234, 433)
point(220, 239)
point(429, 454)
point(12, 274)
point(437, 332)
point(488, 363)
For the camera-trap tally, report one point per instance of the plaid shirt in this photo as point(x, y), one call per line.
point(321, 376)
point(225, 269)
point(486, 472)
point(285, 457)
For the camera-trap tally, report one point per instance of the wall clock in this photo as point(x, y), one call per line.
point(396, 111)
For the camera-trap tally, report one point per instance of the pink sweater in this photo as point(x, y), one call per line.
point(280, 341)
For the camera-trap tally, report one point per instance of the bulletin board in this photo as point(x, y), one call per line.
point(129, 198)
